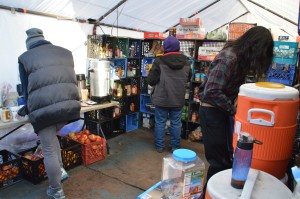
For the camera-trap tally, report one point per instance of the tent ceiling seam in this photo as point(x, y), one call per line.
point(233, 19)
point(273, 12)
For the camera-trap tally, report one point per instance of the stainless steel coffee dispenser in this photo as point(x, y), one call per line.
point(80, 83)
point(100, 79)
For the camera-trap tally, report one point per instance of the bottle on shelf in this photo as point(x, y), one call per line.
point(117, 51)
point(106, 50)
point(132, 107)
point(115, 90)
point(128, 90)
point(194, 117)
point(101, 52)
point(134, 90)
point(110, 53)
point(120, 91)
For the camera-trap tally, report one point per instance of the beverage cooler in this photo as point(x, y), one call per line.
point(268, 111)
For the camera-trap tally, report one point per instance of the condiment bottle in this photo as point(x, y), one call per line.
point(128, 88)
point(119, 91)
point(132, 107)
point(194, 117)
point(134, 90)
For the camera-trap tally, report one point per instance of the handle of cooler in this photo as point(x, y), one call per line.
point(261, 121)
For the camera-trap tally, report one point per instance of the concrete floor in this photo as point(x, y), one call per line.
point(132, 167)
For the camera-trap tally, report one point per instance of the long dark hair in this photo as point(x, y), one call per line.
point(254, 51)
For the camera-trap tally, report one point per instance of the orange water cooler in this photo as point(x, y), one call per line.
point(268, 111)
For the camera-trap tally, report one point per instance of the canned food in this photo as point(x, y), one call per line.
point(5, 114)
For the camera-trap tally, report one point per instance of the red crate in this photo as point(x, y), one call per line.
point(93, 152)
point(154, 35)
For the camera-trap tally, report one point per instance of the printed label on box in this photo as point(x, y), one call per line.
point(190, 29)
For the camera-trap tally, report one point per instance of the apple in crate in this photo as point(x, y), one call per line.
point(98, 138)
point(92, 138)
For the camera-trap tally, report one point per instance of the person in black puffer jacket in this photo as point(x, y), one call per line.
point(168, 76)
point(52, 99)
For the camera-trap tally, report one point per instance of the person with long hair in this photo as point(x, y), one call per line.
point(251, 53)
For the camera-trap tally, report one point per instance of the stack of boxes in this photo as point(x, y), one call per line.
point(190, 28)
point(238, 29)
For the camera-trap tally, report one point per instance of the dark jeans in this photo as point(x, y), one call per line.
point(161, 116)
point(217, 138)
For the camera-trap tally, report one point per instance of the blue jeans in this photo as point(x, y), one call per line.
point(161, 116)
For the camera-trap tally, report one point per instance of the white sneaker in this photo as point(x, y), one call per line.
point(64, 175)
point(56, 194)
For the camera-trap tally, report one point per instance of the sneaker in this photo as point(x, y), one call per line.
point(159, 150)
point(172, 149)
point(56, 194)
point(64, 175)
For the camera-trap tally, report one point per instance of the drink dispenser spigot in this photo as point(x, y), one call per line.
point(242, 159)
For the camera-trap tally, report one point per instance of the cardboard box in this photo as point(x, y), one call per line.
point(190, 22)
point(155, 35)
point(238, 29)
point(153, 192)
point(208, 53)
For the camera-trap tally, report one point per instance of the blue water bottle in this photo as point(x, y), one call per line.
point(242, 159)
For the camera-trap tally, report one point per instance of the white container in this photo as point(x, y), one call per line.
point(14, 113)
point(182, 175)
point(258, 186)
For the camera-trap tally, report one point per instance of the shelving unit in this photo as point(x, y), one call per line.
point(132, 60)
point(150, 49)
point(125, 57)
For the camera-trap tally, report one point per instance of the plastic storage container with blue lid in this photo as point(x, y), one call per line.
point(182, 175)
point(184, 155)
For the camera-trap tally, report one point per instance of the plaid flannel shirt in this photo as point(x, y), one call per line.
point(221, 86)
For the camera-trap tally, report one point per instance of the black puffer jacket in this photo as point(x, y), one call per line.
point(52, 89)
point(168, 76)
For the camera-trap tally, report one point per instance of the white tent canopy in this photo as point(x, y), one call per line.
point(159, 15)
point(126, 18)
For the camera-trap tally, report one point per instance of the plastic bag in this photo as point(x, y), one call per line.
point(71, 127)
point(19, 140)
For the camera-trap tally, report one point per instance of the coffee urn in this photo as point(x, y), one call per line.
point(100, 80)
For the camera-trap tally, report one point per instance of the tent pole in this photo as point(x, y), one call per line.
point(275, 13)
point(21, 10)
point(110, 11)
point(197, 12)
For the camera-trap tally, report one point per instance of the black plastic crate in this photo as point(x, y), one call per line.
point(10, 168)
point(70, 153)
point(33, 169)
